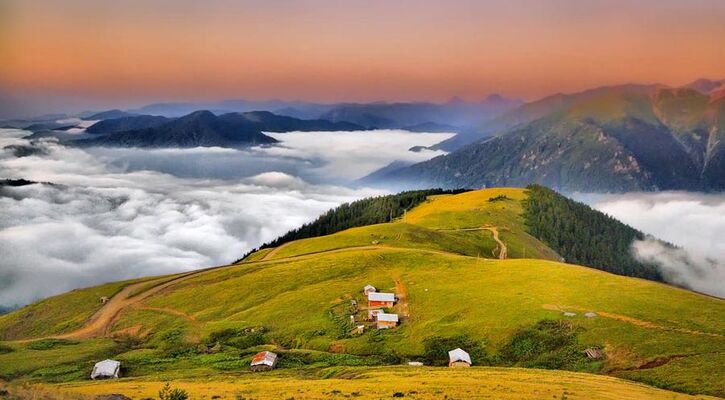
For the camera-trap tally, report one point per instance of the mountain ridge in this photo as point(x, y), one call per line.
point(634, 137)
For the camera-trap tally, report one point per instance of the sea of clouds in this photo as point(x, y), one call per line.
point(111, 214)
point(694, 222)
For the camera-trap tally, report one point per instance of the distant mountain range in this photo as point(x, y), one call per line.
point(621, 138)
point(201, 128)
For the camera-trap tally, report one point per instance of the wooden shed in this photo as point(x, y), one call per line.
point(264, 361)
point(458, 358)
point(381, 299)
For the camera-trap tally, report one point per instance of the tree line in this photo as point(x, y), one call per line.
point(368, 211)
point(583, 235)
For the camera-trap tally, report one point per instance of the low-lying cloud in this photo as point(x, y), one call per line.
point(695, 222)
point(111, 214)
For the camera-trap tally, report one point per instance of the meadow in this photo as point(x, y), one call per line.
point(201, 329)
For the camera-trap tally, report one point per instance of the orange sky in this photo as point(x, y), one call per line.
point(353, 50)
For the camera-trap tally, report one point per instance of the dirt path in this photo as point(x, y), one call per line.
point(501, 246)
point(503, 251)
point(402, 292)
point(633, 321)
point(100, 323)
point(274, 252)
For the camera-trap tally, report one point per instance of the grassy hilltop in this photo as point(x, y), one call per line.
point(457, 262)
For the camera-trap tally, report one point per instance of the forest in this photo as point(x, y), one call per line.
point(583, 235)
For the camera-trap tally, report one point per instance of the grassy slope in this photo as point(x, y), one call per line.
point(432, 225)
point(418, 383)
point(57, 314)
point(295, 299)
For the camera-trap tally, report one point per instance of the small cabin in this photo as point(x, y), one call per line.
point(376, 299)
point(264, 361)
point(458, 358)
point(106, 369)
point(369, 289)
point(386, 321)
point(104, 299)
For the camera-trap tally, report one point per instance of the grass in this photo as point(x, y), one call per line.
point(407, 382)
point(57, 314)
point(54, 363)
point(302, 304)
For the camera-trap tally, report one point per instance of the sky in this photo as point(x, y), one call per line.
point(76, 53)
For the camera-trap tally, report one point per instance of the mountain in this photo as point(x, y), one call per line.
point(296, 109)
point(128, 123)
point(109, 114)
point(467, 273)
point(202, 128)
point(269, 122)
point(706, 86)
point(399, 115)
point(624, 138)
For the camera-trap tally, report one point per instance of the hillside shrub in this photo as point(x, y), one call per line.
point(173, 343)
point(47, 344)
point(549, 344)
point(501, 197)
point(436, 349)
point(241, 338)
point(4, 349)
point(167, 393)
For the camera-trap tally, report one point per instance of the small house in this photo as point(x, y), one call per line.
point(264, 361)
point(459, 358)
point(104, 299)
point(386, 321)
point(106, 369)
point(369, 289)
point(376, 299)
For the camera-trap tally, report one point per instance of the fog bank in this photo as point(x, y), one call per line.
point(693, 221)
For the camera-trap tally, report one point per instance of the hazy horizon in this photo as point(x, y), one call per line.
point(82, 54)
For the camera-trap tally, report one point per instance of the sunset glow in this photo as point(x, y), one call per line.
point(332, 51)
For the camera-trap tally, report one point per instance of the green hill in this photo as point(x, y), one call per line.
point(454, 261)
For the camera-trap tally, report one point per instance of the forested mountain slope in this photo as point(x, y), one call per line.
point(606, 140)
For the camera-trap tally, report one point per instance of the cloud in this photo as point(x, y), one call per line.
point(114, 214)
point(694, 222)
point(353, 155)
point(690, 269)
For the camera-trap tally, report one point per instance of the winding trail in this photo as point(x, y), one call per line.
point(502, 249)
point(274, 252)
point(402, 294)
point(631, 320)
